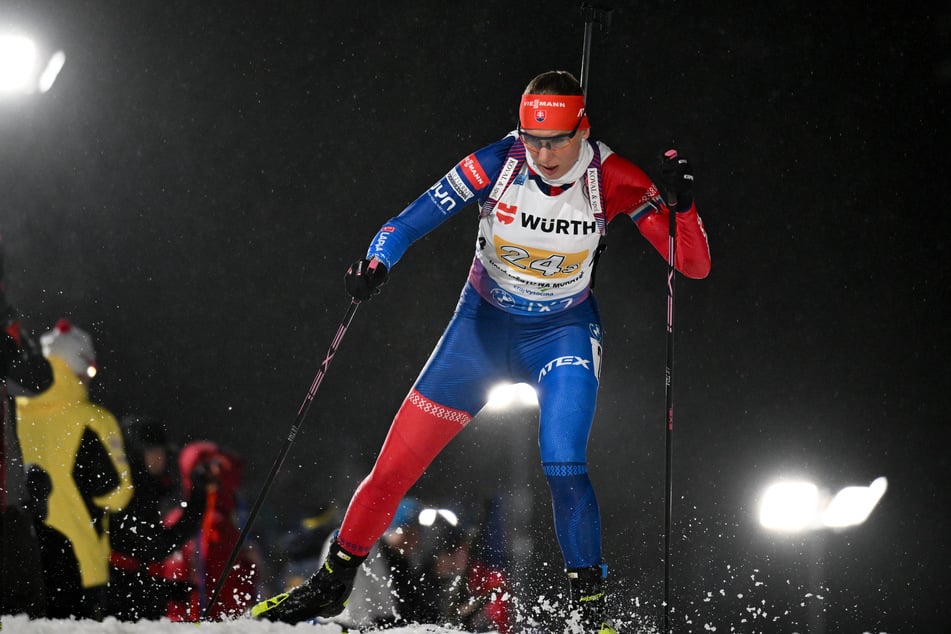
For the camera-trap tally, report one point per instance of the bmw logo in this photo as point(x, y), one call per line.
point(502, 298)
point(595, 331)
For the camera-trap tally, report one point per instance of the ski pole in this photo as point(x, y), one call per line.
point(669, 387)
point(295, 428)
point(591, 15)
point(602, 16)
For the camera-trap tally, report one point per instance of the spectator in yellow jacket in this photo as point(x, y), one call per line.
point(77, 465)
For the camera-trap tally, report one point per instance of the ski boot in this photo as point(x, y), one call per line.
point(588, 598)
point(324, 594)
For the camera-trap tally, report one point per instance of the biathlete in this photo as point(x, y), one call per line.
point(546, 194)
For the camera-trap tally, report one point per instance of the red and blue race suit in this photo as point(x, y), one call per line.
point(526, 314)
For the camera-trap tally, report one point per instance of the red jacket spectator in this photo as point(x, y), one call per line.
point(202, 560)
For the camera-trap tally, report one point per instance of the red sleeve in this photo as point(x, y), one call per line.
point(628, 190)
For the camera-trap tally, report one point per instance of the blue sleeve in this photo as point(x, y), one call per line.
point(471, 179)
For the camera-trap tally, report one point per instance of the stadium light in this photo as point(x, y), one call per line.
point(791, 506)
point(427, 517)
point(852, 505)
point(20, 72)
point(508, 395)
point(17, 62)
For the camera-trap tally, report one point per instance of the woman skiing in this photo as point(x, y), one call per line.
point(546, 194)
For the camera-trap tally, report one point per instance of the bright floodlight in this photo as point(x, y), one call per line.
point(427, 517)
point(789, 506)
point(792, 506)
point(19, 66)
point(51, 72)
point(852, 505)
point(509, 395)
point(17, 61)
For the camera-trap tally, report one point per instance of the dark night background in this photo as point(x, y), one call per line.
point(198, 179)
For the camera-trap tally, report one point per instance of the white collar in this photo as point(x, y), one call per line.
point(577, 170)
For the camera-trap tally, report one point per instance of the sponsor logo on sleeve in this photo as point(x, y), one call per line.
point(459, 186)
point(473, 171)
point(381, 237)
point(650, 195)
point(444, 199)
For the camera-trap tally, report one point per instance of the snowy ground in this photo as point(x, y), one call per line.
point(22, 625)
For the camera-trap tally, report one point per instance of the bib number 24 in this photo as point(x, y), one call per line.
point(540, 263)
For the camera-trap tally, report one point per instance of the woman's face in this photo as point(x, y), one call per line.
point(554, 163)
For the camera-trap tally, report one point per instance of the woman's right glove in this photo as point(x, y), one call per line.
point(364, 279)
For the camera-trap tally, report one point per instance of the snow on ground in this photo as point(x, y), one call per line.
point(22, 625)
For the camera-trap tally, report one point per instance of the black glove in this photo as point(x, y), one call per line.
point(677, 176)
point(363, 282)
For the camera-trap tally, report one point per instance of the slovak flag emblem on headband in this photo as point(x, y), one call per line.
point(539, 115)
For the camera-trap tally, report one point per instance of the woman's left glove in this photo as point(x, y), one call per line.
point(677, 176)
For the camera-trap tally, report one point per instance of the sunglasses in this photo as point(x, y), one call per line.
point(551, 143)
